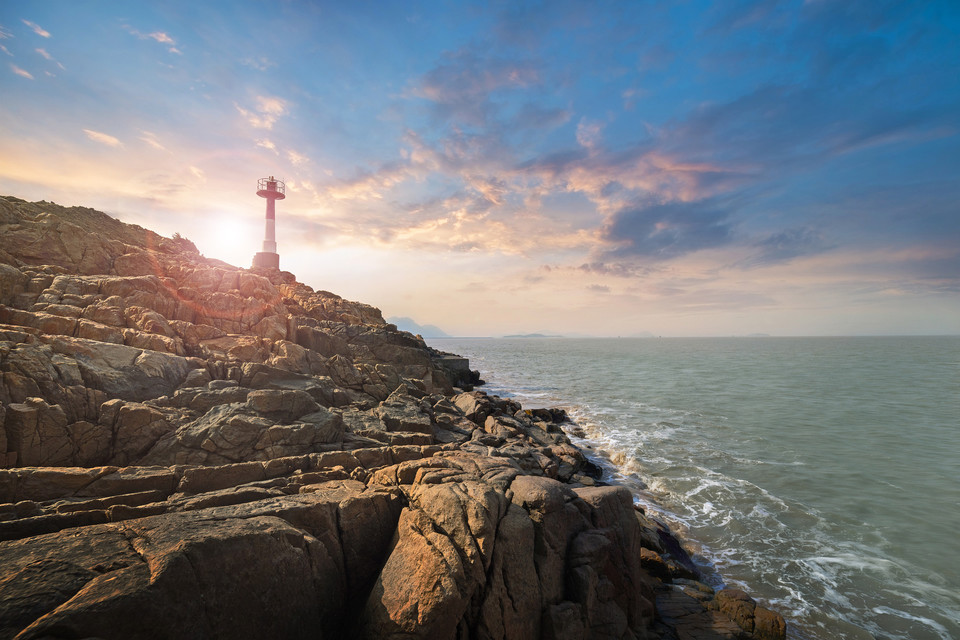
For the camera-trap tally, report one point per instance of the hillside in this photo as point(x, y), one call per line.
point(195, 450)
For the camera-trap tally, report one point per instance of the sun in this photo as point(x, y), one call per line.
point(229, 239)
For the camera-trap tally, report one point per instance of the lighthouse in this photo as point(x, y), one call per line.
point(273, 190)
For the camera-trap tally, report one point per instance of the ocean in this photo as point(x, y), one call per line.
point(821, 475)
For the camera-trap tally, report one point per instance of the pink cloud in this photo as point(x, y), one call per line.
point(158, 36)
point(23, 73)
point(103, 138)
point(37, 29)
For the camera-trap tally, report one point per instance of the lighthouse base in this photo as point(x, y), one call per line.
point(266, 260)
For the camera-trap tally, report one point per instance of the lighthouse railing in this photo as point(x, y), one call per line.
point(263, 184)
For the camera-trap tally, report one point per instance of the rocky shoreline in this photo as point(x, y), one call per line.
point(194, 450)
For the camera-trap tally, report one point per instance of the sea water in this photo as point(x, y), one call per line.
point(822, 475)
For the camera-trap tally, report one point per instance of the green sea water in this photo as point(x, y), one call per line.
point(821, 474)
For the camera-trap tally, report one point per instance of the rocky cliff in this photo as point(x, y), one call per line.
point(192, 450)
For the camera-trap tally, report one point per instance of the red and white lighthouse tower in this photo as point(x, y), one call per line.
point(273, 190)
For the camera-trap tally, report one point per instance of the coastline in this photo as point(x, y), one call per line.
point(769, 468)
point(195, 450)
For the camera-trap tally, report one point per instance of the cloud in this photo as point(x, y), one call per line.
point(598, 288)
point(260, 64)
point(103, 138)
point(157, 36)
point(369, 185)
point(668, 230)
point(461, 87)
point(615, 179)
point(161, 37)
point(739, 14)
point(267, 144)
point(493, 190)
point(151, 139)
point(47, 56)
point(297, 159)
point(37, 29)
point(616, 269)
point(786, 245)
point(266, 113)
point(589, 133)
point(4, 34)
point(533, 116)
point(23, 73)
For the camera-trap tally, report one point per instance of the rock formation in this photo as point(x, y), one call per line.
point(191, 450)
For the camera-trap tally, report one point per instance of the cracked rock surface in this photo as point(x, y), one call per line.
point(192, 450)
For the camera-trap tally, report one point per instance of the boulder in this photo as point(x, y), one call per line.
point(281, 404)
point(122, 371)
point(438, 565)
point(401, 412)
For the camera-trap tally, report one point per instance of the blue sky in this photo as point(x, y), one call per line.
point(608, 168)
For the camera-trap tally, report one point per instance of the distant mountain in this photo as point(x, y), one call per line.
point(425, 330)
point(531, 335)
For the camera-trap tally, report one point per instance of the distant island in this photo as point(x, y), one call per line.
point(531, 335)
point(425, 330)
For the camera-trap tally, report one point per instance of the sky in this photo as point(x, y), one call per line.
point(579, 168)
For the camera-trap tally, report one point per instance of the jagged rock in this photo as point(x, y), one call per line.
point(135, 428)
point(12, 282)
point(205, 400)
point(276, 568)
point(401, 412)
point(119, 370)
point(751, 618)
point(475, 406)
point(37, 433)
point(281, 404)
point(437, 565)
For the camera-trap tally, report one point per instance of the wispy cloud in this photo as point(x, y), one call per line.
point(786, 245)
point(662, 231)
point(261, 63)
point(23, 73)
point(462, 86)
point(151, 139)
point(265, 114)
point(47, 56)
point(37, 29)
point(589, 133)
point(297, 159)
point(157, 36)
point(267, 144)
point(370, 185)
point(103, 138)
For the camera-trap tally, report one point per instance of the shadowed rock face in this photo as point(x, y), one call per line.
point(192, 450)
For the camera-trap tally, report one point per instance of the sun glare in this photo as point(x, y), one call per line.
point(231, 240)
